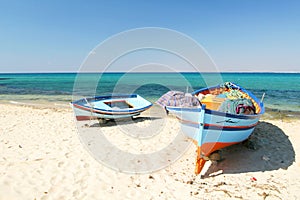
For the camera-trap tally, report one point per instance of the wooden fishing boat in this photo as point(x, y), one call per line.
point(110, 106)
point(222, 119)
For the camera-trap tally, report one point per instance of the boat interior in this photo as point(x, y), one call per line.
point(229, 100)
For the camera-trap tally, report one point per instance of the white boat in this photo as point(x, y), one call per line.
point(110, 106)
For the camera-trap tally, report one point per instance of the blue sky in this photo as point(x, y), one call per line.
point(239, 35)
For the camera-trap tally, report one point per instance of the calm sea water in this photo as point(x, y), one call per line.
point(282, 90)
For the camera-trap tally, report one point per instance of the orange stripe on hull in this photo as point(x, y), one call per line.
point(208, 148)
point(205, 150)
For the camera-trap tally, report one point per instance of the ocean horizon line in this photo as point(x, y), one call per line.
point(149, 72)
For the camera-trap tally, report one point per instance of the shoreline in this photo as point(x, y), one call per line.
point(270, 113)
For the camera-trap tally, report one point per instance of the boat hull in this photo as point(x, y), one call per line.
point(212, 130)
point(105, 107)
point(218, 130)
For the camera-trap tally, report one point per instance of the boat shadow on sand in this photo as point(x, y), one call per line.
point(126, 121)
point(268, 148)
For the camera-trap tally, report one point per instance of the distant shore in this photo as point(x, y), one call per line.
point(121, 72)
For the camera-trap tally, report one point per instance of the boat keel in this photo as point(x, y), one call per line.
point(200, 161)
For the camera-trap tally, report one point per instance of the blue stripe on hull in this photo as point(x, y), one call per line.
point(226, 136)
point(217, 113)
point(228, 121)
point(212, 135)
point(193, 116)
point(217, 128)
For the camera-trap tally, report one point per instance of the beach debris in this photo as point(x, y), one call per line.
point(216, 173)
point(264, 195)
point(253, 179)
point(151, 177)
point(265, 158)
point(190, 182)
point(20, 146)
point(226, 192)
point(220, 183)
point(215, 156)
point(102, 121)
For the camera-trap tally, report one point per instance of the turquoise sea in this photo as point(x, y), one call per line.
point(282, 90)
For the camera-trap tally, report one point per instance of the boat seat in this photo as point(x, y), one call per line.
point(212, 102)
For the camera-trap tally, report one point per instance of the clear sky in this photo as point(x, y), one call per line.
point(239, 35)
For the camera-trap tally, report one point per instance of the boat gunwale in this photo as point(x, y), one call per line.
point(214, 112)
point(236, 86)
point(216, 127)
point(110, 111)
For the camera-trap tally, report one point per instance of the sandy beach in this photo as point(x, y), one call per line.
point(42, 157)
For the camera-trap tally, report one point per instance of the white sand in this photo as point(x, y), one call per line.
point(41, 157)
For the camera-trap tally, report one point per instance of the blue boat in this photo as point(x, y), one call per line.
point(221, 120)
point(110, 106)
